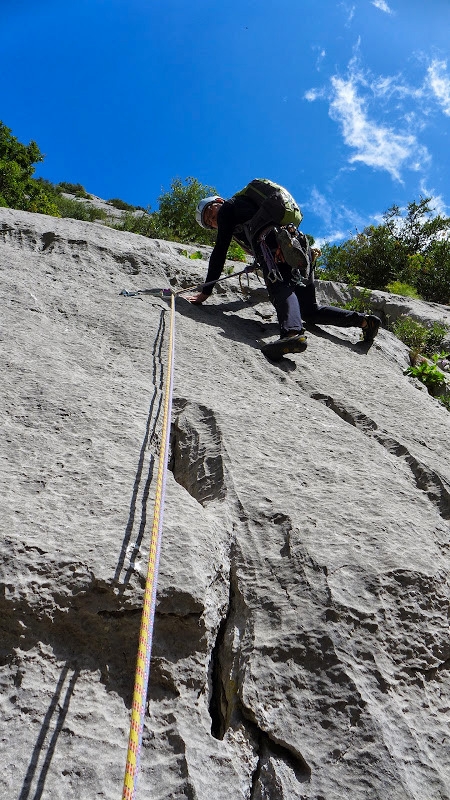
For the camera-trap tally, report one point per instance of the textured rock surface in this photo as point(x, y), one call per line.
point(301, 647)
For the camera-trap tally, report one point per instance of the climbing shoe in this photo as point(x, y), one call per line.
point(371, 329)
point(288, 344)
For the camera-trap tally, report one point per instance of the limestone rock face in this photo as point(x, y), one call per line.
point(301, 648)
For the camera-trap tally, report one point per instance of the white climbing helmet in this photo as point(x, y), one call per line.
point(201, 208)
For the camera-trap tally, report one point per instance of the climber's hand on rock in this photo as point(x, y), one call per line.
point(197, 299)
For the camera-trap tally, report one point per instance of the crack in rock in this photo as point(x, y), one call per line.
point(228, 711)
point(197, 452)
point(277, 771)
point(426, 479)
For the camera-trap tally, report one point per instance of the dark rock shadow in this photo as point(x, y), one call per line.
point(54, 719)
point(232, 327)
point(360, 347)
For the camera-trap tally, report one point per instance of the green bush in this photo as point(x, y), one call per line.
point(403, 289)
point(121, 204)
point(445, 400)
point(175, 218)
point(437, 332)
point(73, 188)
point(420, 338)
point(361, 303)
point(18, 189)
point(73, 209)
point(428, 374)
point(236, 253)
point(433, 279)
point(412, 249)
point(142, 224)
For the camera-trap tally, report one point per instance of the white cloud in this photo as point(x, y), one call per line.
point(340, 221)
point(382, 5)
point(439, 82)
point(349, 11)
point(375, 145)
point(314, 94)
point(320, 57)
point(437, 203)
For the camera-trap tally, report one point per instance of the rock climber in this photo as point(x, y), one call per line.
point(249, 217)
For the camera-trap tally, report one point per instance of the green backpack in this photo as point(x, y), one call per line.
point(260, 189)
point(296, 249)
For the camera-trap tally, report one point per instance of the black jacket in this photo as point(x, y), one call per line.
point(232, 213)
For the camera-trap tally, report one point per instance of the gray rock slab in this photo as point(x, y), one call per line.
point(301, 646)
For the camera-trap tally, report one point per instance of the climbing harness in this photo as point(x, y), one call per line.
point(148, 612)
point(274, 273)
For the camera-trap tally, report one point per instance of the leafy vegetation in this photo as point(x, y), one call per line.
point(413, 249)
point(425, 344)
point(73, 188)
point(75, 210)
point(175, 218)
point(236, 253)
point(361, 302)
point(142, 224)
point(18, 188)
point(403, 289)
point(121, 205)
point(195, 255)
point(67, 206)
point(420, 338)
point(429, 374)
point(445, 400)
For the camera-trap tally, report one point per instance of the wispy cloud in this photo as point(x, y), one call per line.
point(321, 53)
point(339, 221)
point(375, 145)
point(382, 5)
point(349, 11)
point(439, 83)
point(354, 103)
point(437, 203)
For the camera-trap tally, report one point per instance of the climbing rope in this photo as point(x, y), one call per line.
point(169, 292)
point(149, 604)
point(148, 612)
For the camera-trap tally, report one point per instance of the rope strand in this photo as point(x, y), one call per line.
point(148, 612)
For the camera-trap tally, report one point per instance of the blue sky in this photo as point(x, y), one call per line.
point(347, 104)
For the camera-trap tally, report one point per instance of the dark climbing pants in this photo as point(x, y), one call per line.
point(311, 312)
point(294, 304)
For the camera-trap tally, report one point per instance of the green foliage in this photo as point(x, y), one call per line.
point(236, 253)
point(175, 218)
point(411, 333)
point(413, 249)
point(418, 228)
point(195, 255)
point(121, 204)
point(429, 374)
point(73, 188)
point(372, 256)
point(76, 210)
point(437, 332)
point(445, 400)
point(361, 303)
point(142, 224)
point(433, 278)
point(18, 189)
point(420, 338)
point(403, 289)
